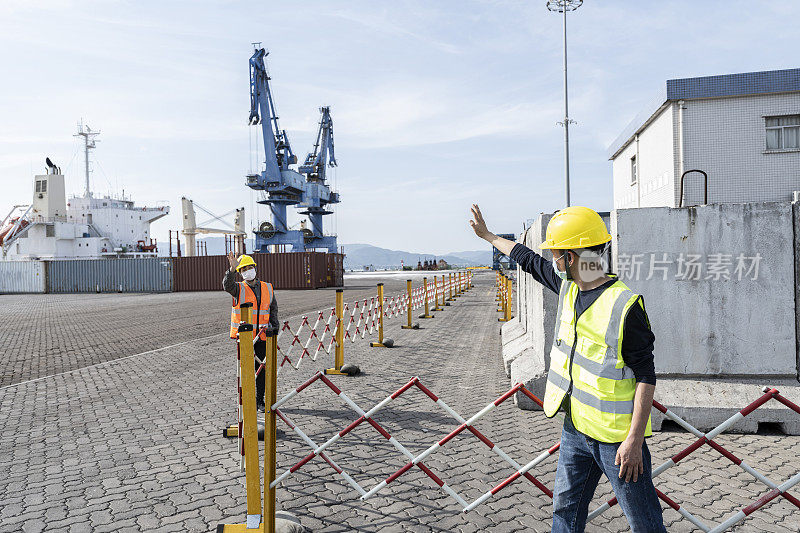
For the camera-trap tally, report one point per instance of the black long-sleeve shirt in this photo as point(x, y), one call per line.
point(230, 286)
point(637, 340)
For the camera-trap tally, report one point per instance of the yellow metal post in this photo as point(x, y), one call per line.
point(450, 285)
point(436, 294)
point(270, 396)
point(427, 313)
point(409, 325)
point(338, 358)
point(250, 429)
point(509, 292)
point(505, 304)
point(379, 344)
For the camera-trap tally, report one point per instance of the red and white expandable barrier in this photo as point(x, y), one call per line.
point(524, 471)
point(708, 438)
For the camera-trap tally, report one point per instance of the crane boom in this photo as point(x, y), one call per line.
point(277, 150)
point(282, 186)
point(323, 154)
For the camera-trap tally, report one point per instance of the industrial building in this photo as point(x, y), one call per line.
point(741, 130)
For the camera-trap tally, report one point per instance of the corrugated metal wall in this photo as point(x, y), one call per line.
point(335, 276)
point(110, 275)
point(305, 270)
point(302, 270)
point(22, 277)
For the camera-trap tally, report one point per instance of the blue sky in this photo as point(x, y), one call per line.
point(435, 104)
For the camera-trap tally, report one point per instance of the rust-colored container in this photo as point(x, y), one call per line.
point(302, 270)
point(335, 277)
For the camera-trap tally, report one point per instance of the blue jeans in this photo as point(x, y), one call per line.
point(581, 462)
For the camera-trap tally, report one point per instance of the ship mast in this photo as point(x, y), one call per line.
point(88, 144)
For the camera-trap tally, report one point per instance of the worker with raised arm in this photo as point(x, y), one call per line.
point(265, 309)
point(602, 371)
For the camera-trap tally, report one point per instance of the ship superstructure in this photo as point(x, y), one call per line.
point(82, 227)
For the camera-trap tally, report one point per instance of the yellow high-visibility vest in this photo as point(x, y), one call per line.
point(260, 315)
point(586, 360)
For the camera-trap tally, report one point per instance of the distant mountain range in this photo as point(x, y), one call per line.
point(357, 256)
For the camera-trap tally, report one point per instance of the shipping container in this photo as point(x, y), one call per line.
point(22, 277)
point(151, 274)
point(302, 270)
point(335, 276)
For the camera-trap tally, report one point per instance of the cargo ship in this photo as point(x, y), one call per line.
point(82, 227)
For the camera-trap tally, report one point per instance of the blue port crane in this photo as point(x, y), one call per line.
point(305, 188)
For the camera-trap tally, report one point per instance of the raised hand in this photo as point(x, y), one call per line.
point(477, 222)
point(232, 260)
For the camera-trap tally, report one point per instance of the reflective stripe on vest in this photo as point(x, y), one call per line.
point(259, 315)
point(603, 387)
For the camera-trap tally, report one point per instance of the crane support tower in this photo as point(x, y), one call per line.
point(305, 188)
point(191, 228)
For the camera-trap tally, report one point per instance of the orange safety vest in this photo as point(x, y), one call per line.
point(260, 315)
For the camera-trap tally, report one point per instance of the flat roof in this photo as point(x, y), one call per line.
point(722, 86)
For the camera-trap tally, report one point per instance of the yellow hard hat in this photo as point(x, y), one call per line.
point(244, 261)
point(575, 227)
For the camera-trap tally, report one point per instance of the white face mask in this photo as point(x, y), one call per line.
point(559, 273)
point(249, 275)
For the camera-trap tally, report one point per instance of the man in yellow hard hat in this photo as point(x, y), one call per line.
point(265, 309)
point(602, 371)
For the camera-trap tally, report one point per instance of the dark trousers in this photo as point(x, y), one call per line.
point(261, 352)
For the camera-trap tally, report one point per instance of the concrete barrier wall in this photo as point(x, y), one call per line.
point(718, 285)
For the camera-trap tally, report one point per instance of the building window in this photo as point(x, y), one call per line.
point(783, 133)
point(49, 230)
point(633, 170)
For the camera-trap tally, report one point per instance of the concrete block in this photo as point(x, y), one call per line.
point(511, 330)
point(706, 403)
point(529, 368)
point(717, 317)
point(513, 340)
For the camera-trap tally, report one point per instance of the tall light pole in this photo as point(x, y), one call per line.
point(563, 6)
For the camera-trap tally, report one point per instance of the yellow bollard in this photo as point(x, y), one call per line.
point(506, 303)
point(250, 430)
point(427, 313)
point(409, 325)
point(436, 294)
point(270, 420)
point(256, 521)
point(338, 355)
point(450, 286)
point(509, 292)
point(388, 343)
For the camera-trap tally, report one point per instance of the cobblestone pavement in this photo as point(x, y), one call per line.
point(44, 334)
point(135, 444)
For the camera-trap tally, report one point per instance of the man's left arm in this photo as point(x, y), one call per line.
point(637, 352)
point(629, 453)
